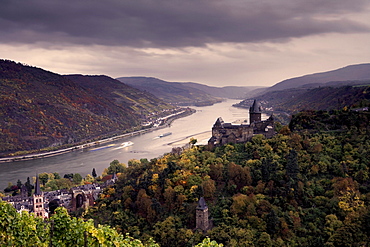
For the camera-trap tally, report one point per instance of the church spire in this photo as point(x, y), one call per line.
point(38, 200)
point(37, 186)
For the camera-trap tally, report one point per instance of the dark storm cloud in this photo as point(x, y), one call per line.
point(172, 23)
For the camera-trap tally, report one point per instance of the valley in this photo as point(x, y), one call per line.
point(264, 190)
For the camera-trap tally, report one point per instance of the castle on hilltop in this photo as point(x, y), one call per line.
point(224, 133)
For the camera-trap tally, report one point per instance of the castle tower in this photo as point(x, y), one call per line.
point(202, 215)
point(255, 112)
point(38, 200)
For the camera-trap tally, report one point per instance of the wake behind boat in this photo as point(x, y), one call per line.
point(104, 147)
point(165, 134)
point(127, 144)
point(124, 145)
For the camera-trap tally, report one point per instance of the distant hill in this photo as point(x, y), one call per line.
point(348, 75)
point(348, 86)
point(322, 98)
point(172, 92)
point(40, 109)
point(229, 92)
point(139, 102)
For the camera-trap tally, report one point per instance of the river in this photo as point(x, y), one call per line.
point(149, 145)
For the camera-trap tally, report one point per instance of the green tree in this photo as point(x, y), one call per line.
point(29, 186)
point(292, 167)
point(77, 178)
point(264, 240)
point(170, 232)
point(68, 175)
point(94, 173)
point(44, 178)
point(272, 222)
point(193, 141)
point(115, 167)
point(208, 243)
point(21, 229)
point(19, 183)
point(58, 184)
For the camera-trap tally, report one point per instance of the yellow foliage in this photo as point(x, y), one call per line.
point(193, 188)
point(111, 191)
point(349, 201)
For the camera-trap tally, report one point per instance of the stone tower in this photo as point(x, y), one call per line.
point(38, 200)
point(255, 112)
point(202, 215)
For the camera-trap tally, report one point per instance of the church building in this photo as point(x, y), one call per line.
point(224, 133)
point(38, 200)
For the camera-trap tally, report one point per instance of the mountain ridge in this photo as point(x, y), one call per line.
point(42, 110)
point(175, 93)
point(231, 92)
point(355, 72)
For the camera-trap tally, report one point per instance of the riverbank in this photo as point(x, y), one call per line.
point(167, 122)
point(202, 139)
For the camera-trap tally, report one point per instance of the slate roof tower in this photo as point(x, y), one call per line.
point(255, 112)
point(202, 215)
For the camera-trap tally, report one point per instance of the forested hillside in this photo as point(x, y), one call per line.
point(229, 92)
point(351, 73)
point(41, 110)
point(63, 230)
point(306, 186)
point(321, 98)
point(172, 92)
point(139, 102)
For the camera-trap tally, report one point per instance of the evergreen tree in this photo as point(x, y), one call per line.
point(272, 222)
point(94, 173)
point(19, 183)
point(29, 186)
point(292, 167)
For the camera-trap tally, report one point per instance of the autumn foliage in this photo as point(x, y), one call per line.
point(306, 186)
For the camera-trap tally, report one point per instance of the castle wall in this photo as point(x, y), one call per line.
point(254, 117)
point(224, 133)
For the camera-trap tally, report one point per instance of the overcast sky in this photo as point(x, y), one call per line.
point(214, 42)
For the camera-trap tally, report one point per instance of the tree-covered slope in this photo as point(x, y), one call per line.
point(229, 92)
point(308, 186)
point(125, 96)
point(41, 109)
point(172, 92)
point(321, 98)
point(357, 72)
point(62, 230)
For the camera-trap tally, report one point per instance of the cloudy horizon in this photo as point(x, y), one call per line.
point(213, 42)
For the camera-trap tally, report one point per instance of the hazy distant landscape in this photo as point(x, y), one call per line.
point(45, 110)
point(185, 123)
